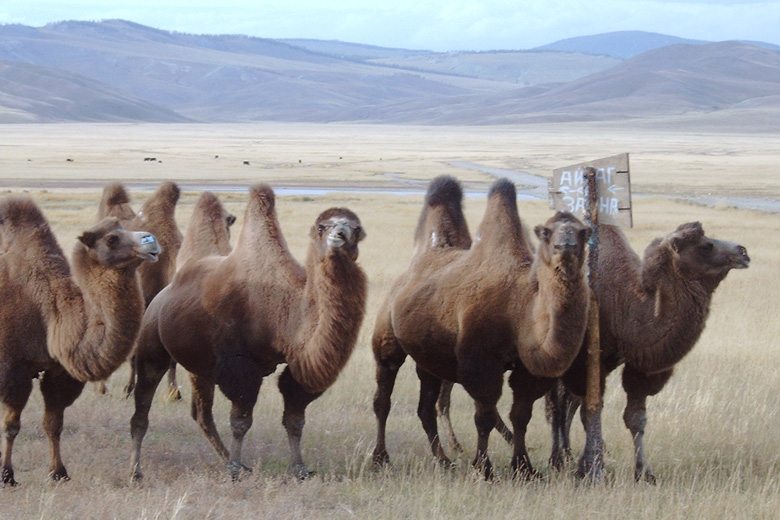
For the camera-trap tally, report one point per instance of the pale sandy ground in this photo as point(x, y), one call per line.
point(664, 161)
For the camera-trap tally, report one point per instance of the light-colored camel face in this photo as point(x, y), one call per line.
point(337, 230)
point(113, 246)
point(562, 240)
point(696, 255)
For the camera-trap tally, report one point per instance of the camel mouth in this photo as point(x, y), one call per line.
point(743, 260)
point(336, 241)
point(149, 256)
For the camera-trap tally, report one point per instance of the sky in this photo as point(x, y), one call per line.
point(439, 25)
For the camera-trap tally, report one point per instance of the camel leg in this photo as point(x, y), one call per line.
point(430, 388)
point(149, 373)
point(130, 386)
point(174, 392)
point(59, 391)
point(15, 391)
point(387, 366)
point(638, 387)
point(560, 407)
point(201, 411)
point(296, 399)
point(239, 378)
point(526, 389)
point(443, 408)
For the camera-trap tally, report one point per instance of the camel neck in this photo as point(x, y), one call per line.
point(667, 319)
point(560, 317)
point(333, 308)
point(93, 319)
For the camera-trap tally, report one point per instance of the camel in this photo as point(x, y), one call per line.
point(157, 215)
point(208, 232)
point(652, 312)
point(467, 316)
point(230, 320)
point(64, 328)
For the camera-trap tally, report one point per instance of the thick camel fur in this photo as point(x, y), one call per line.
point(157, 216)
point(63, 327)
point(230, 320)
point(208, 231)
point(469, 315)
point(652, 312)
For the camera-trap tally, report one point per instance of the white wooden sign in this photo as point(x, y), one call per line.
point(613, 189)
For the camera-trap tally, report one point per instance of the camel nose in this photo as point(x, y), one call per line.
point(338, 237)
point(743, 256)
point(566, 241)
point(148, 247)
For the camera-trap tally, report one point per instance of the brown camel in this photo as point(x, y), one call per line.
point(652, 312)
point(157, 216)
point(62, 328)
point(469, 315)
point(208, 232)
point(230, 320)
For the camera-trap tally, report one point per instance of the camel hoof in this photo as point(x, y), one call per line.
point(235, 469)
point(8, 478)
point(485, 468)
point(60, 476)
point(173, 394)
point(381, 458)
point(301, 472)
point(645, 476)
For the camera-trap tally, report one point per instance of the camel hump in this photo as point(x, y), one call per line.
point(115, 194)
point(262, 195)
point(15, 210)
point(170, 191)
point(444, 190)
point(503, 188)
point(209, 204)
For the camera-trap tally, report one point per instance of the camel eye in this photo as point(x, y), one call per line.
point(320, 229)
point(112, 240)
point(707, 247)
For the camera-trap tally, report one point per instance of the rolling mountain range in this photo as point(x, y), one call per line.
point(116, 70)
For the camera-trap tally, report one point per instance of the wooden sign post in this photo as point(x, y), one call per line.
point(599, 191)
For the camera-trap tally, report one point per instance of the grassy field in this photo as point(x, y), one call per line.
point(711, 437)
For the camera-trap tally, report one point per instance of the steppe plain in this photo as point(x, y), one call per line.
point(711, 436)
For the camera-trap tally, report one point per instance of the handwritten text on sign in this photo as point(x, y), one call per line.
point(613, 189)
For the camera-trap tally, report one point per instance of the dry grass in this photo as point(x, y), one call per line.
point(711, 435)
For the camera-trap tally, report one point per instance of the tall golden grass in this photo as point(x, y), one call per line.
point(711, 436)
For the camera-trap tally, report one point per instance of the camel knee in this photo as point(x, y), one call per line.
point(635, 420)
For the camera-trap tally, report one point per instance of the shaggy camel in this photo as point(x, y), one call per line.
point(62, 328)
point(652, 312)
point(469, 315)
point(208, 232)
point(230, 320)
point(157, 216)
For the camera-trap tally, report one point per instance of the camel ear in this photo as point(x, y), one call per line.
point(676, 243)
point(231, 219)
point(88, 238)
point(361, 233)
point(542, 233)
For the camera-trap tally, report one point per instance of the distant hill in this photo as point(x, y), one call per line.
point(621, 44)
point(116, 70)
point(27, 95)
point(626, 44)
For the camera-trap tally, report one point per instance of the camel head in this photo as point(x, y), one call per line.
point(562, 241)
point(697, 256)
point(111, 245)
point(337, 231)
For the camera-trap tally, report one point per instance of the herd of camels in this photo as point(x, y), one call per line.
point(466, 310)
